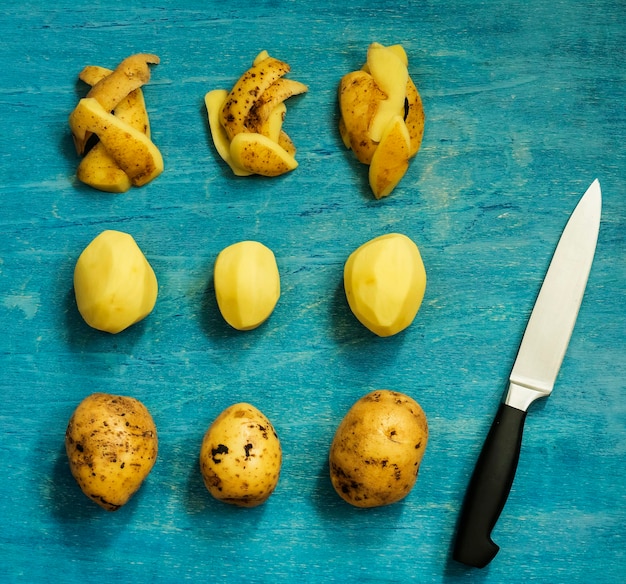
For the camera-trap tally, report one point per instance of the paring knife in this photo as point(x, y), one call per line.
point(535, 370)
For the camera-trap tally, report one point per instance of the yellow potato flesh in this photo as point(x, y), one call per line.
point(214, 101)
point(241, 456)
point(114, 284)
point(391, 158)
point(272, 126)
point(247, 284)
point(391, 76)
point(385, 281)
point(398, 50)
point(111, 443)
point(261, 57)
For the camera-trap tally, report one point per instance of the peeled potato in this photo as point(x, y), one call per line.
point(114, 284)
point(385, 281)
point(247, 284)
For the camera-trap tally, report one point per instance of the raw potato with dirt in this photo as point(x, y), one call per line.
point(377, 449)
point(111, 443)
point(241, 456)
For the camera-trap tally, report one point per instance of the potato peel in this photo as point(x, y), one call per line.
point(246, 128)
point(275, 94)
point(247, 91)
point(130, 74)
point(391, 158)
point(119, 95)
point(214, 101)
point(370, 101)
point(259, 154)
point(133, 151)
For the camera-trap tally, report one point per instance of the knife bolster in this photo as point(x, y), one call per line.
point(520, 397)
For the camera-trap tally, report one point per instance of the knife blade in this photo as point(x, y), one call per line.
point(534, 373)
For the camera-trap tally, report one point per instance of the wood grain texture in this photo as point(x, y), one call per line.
point(525, 107)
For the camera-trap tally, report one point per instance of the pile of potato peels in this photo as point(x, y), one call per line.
point(114, 111)
point(246, 123)
point(382, 121)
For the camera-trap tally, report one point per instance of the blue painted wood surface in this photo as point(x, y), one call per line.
point(525, 104)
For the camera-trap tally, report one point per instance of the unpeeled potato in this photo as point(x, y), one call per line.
point(377, 449)
point(111, 443)
point(241, 456)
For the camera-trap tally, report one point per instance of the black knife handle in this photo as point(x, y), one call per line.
point(489, 488)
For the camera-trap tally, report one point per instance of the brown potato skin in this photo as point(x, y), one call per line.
point(415, 117)
point(111, 444)
point(241, 456)
point(359, 97)
point(377, 449)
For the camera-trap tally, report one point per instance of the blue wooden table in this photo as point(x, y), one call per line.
point(525, 104)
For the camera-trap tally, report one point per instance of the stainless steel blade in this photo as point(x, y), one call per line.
point(553, 317)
